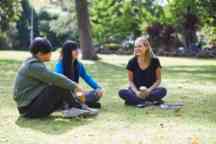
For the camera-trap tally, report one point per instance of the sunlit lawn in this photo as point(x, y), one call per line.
point(191, 81)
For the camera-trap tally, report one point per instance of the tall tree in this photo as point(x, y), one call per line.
point(24, 24)
point(186, 15)
point(116, 20)
point(88, 50)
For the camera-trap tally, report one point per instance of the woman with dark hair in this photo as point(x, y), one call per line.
point(71, 67)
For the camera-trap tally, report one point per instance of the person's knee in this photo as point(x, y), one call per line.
point(99, 94)
point(57, 89)
point(163, 91)
point(122, 93)
point(97, 98)
point(92, 97)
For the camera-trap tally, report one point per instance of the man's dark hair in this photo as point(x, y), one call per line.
point(40, 44)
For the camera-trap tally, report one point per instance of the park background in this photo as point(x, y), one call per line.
point(181, 32)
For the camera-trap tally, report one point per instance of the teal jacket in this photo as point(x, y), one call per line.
point(33, 77)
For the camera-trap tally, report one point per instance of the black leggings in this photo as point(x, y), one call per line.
point(50, 100)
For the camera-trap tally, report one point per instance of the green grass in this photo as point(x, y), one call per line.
point(191, 81)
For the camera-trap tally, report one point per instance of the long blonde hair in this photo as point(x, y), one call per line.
point(149, 53)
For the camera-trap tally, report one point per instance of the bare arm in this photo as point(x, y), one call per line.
point(131, 83)
point(158, 80)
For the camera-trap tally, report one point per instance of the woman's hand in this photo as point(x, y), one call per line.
point(80, 89)
point(80, 93)
point(143, 93)
point(100, 92)
point(81, 97)
point(140, 94)
point(148, 91)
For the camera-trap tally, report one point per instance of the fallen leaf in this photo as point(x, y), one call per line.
point(195, 140)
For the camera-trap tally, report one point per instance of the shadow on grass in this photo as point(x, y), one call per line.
point(53, 124)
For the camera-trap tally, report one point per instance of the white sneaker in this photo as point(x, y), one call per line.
point(75, 112)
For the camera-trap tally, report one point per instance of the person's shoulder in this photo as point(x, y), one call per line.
point(36, 67)
point(131, 64)
point(37, 64)
point(132, 60)
point(156, 62)
point(155, 59)
point(33, 62)
point(79, 64)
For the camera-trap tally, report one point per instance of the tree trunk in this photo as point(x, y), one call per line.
point(190, 39)
point(88, 52)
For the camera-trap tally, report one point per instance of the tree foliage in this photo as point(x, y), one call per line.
point(178, 22)
point(9, 13)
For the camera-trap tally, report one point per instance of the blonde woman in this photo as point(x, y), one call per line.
point(144, 75)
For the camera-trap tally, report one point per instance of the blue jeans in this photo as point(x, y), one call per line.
point(91, 97)
point(130, 97)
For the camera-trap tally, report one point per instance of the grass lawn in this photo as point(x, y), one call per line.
point(191, 81)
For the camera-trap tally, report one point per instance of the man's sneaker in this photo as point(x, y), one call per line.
point(75, 112)
point(92, 111)
point(158, 103)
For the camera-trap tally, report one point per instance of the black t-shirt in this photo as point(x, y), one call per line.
point(146, 77)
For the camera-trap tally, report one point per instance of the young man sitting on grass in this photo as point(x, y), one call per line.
point(39, 92)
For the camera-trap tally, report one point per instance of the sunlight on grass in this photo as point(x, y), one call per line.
point(191, 81)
